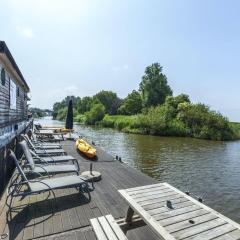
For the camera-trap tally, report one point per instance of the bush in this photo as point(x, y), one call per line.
point(62, 113)
point(80, 118)
point(132, 104)
point(96, 114)
point(118, 121)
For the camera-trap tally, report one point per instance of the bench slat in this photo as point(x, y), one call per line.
point(106, 228)
point(115, 226)
point(98, 229)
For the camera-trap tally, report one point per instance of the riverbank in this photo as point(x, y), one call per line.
point(140, 124)
point(175, 116)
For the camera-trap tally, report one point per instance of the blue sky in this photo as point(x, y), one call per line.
point(80, 47)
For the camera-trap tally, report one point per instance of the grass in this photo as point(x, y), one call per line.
point(119, 122)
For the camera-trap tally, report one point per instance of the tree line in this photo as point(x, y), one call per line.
point(39, 113)
point(152, 109)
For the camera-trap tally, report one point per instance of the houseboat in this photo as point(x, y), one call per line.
point(13, 109)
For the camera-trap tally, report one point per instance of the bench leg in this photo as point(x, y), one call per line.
point(129, 216)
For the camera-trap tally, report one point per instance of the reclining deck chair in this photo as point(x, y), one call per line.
point(41, 143)
point(54, 159)
point(44, 185)
point(42, 151)
point(46, 168)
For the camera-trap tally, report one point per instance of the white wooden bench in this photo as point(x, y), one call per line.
point(105, 228)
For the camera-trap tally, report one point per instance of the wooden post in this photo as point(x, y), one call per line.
point(91, 167)
point(129, 216)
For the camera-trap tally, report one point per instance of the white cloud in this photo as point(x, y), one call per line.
point(25, 31)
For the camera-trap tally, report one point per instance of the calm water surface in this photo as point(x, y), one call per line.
point(205, 168)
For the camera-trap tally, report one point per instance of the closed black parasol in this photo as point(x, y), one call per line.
point(69, 119)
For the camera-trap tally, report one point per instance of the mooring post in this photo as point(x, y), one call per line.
point(91, 167)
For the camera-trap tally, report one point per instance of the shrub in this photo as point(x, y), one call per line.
point(80, 118)
point(96, 114)
point(62, 113)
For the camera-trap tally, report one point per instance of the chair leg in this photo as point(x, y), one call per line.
point(55, 201)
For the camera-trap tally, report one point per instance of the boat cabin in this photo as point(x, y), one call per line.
point(13, 110)
point(13, 93)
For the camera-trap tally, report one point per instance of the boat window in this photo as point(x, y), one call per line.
point(18, 91)
point(3, 76)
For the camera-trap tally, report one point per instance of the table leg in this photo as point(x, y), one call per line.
point(129, 216)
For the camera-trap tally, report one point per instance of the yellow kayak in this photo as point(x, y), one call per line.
point(63, 130)
point(57, 129)
point(85, 148)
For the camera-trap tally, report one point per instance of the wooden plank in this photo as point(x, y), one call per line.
point(157, 187)
point(150, 193)
point(234, 235)
point(186, 224)
point(153, 224)
point(160, 204)
point(151, 197)
point(129, 190)
point(116, 228)
point(90, 235)
point(98, 229)
point(164, 208)
point(161, 200)
point(199, 228)
point(177, 212)
point(107, 228)
point(80, 235)
point(213, 233)
point(183, 217)
point(204, 206)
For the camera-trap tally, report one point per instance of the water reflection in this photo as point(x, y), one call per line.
point(204, 167)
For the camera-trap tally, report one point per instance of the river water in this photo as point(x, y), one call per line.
point(208, 169)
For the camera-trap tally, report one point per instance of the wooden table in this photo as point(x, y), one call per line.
point(172, 214)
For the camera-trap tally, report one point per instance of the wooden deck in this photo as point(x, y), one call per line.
point(71, 220)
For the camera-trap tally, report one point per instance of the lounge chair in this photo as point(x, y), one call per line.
point(40, 169)
point(44, 152)
point(43, 185)
point(35, 140)
point(54, 159)
point(39, 145)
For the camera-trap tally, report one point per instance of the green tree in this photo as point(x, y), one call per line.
point(132, 104)
point(109, 100)
point(96, 114)
point(84, 104)
point(154, 86)
point(58, 107)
